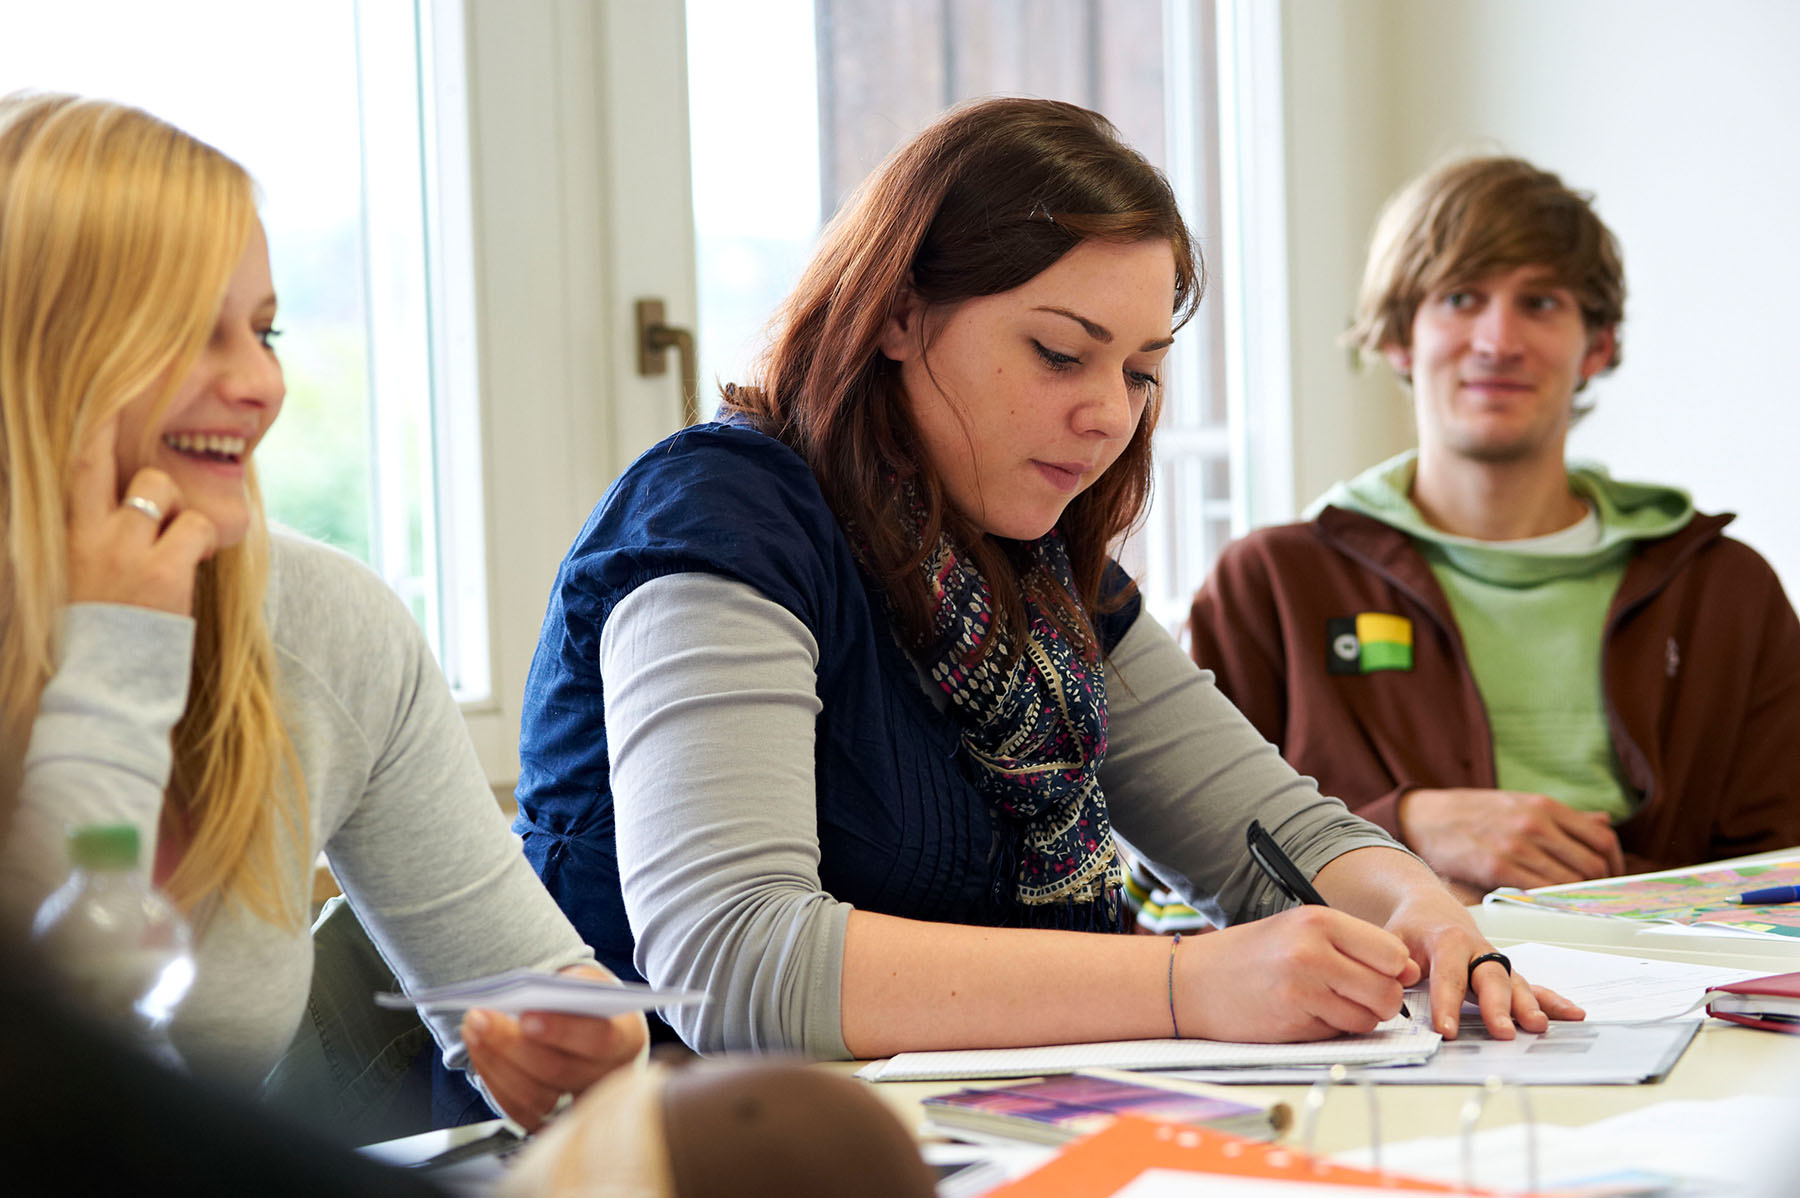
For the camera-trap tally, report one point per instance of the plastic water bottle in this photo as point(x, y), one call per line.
point(122, 951)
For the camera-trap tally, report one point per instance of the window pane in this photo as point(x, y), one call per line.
point(195, 72)
point(756, 195)
point(840, 83)
point(327, 104)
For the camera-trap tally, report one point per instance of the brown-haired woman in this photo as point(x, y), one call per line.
point(839, 699)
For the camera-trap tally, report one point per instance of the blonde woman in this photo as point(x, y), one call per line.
point(246, 699)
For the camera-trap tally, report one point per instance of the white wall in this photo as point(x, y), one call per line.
point(1678, 116)
point(1340, 135)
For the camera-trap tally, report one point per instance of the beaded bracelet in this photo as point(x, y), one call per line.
point(1173, 945)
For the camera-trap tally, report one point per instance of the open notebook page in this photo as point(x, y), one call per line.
point(1394, 1042)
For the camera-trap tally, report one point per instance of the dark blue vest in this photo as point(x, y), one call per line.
point(901, 829)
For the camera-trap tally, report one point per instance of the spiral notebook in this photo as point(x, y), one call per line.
point(1391, 1045)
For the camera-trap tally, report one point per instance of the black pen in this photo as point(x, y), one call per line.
point(1285, 874)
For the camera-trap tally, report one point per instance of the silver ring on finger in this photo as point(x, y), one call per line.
point(148, 507)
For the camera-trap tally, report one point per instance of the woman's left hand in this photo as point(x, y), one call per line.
point(529, 1063)
point(1443, 939)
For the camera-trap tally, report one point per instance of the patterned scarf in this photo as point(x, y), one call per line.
point(1036, 731)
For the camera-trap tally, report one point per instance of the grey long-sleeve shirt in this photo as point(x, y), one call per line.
point(723, 895)
point(397, 801)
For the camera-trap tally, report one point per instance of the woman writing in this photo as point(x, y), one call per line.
point(245, 699)
point(838, 701)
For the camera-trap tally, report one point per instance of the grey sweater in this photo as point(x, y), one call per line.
point(711, 702)
point(397, 801)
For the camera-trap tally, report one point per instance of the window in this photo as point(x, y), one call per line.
point(463, 476)
point(865, 75)
point(357, 148)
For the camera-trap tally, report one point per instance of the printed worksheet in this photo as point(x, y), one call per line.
point(1617, 989)
point(1700, 897)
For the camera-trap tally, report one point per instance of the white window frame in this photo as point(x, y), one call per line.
point(589, 101)
point(420, 300)
point(1253, 191)
point(578, 168)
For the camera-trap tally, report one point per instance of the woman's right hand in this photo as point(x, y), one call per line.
point(118, 553)
point(1303, 974)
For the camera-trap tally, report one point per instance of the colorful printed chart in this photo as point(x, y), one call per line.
point(1692, 896)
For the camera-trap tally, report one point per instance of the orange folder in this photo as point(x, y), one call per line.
point(1103, 1163)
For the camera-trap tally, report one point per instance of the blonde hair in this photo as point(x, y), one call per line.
point(1470, 217)
point(118, 236)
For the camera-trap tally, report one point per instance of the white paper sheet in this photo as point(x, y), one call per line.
point(1617, 989)
point(519, 990)
point(1569, 1054)
point(1400, 1042)
point(1173, 1183)
point(1722, 1146)
point(1641, 1015)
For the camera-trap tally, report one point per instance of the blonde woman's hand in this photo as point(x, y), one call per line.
point(529, 1063)
point(142, 549)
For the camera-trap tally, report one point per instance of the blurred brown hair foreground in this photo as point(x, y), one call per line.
point(724, 1129)
point(1470, 218)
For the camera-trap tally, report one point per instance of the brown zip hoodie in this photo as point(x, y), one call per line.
point(1701, 663)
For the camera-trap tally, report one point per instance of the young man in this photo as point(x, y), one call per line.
point(1527, 671)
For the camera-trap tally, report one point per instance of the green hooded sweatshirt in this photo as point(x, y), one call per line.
point(1532, 615)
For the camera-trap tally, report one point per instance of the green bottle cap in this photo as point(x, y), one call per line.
point(104, 846)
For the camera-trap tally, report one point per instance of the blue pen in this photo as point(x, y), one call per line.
point(1770, 897)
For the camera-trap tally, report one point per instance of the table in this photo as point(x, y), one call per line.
point(1724, 1059)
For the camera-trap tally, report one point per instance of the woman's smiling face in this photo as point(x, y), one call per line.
point(227, 401)
point(1023, 399)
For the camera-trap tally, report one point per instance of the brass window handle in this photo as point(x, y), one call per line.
point(654, 338)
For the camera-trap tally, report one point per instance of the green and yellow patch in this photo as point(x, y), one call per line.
point(1368, 641)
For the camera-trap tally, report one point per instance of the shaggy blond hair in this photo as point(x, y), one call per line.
point(118, 236)
point(1469, 217)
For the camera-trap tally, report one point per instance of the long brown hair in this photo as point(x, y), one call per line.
point(982, 201)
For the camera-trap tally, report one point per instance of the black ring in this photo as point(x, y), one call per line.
point(1484, 958)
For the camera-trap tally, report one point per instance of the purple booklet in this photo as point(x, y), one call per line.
point(1051, 1110)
